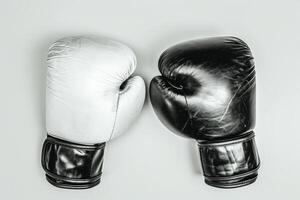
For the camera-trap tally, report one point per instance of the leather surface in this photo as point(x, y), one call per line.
point(206, 91)
point(91, 95)
point(70, 165)
point(207, 88)
point(229, 159)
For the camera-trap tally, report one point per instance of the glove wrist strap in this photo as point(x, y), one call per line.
point(70, 165)
point(230, 163)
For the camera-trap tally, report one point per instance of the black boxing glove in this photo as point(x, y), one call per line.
point(207, 92)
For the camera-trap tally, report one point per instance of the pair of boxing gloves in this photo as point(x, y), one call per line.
point(206, 91)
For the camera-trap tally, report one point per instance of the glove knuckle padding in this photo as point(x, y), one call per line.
point(83, 87)
point(216, 78)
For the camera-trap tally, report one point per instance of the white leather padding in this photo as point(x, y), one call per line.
point(131, 101)
point(83, 88)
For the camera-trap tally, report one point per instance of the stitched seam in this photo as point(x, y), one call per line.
point(115, 120)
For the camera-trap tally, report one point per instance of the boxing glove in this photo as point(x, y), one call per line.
point(207, 92)
point(91, 97)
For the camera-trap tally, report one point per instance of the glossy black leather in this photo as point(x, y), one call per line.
point(230, 163)
point(70, 165)
point(207, 92)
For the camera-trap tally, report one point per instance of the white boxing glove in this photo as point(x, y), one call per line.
point(91, 97)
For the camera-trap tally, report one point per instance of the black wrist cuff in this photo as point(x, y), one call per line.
point(231, 163)
point(70, 165)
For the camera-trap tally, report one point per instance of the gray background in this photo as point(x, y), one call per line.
point(149, 162)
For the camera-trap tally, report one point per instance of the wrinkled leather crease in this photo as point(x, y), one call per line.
point(71, 165)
